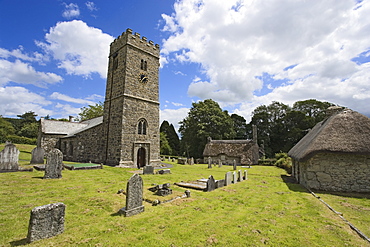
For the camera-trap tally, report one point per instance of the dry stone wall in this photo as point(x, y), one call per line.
point(335, 172)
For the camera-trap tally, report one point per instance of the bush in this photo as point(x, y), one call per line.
point(21, 140)
point(284, 161)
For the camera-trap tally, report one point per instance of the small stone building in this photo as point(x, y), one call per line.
point(128, 133)
point(244, 152)
point(335, 154)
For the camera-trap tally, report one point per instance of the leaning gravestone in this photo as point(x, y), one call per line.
point(228, 178)
point(54, 164)
point(148, 170)
point(9, 158)
point(46, 221)
point(211, 184)
point(37, 156)
point(134, 197)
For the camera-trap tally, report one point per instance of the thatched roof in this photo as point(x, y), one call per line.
point(346, 131)
point(247, 150)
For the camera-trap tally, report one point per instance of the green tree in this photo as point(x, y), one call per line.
point(312, 108)
point(165, 148)
point(172, 137)
point(205, 119)
point(240, 126)
point(6, 129)
point(29, 130)
point(91, 111)
point(28, 117)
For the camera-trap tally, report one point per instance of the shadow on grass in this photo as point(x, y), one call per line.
point(292, 184)
point(38, 177)
point(19, 242)
point(116, 214)
point(358, 195)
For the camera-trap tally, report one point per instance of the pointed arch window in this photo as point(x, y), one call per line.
point(141, 127)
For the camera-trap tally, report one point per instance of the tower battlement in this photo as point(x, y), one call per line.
point(135, 40)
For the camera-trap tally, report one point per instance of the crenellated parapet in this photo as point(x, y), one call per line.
point(135, 40)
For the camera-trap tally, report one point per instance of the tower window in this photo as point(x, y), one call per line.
point(143, 65)
point(141, 127)
point(115, 61)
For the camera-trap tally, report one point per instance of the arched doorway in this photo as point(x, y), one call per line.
point(140, 157)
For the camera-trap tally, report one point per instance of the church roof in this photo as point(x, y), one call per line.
point(67, 128)
point(344, 132)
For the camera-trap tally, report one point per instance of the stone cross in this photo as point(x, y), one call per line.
point(209, 162)
point(134, 196)
point(148, 170)
point(211, 184)
point(37, 156)
point(234, 165)
point(9, 158)
point(54, 164)
point(235, 178)
point(228, 178)
point(46, 221)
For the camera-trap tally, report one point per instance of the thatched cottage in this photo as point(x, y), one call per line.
point(244, 152)
point(335, 154)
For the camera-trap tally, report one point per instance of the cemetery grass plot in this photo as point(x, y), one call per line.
point(263, 210)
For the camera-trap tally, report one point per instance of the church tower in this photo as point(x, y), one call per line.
point(131, 107)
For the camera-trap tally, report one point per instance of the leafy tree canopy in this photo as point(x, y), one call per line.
point(171, 136)
point(205, 119)
point(91, 111)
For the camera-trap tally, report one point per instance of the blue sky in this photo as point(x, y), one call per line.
point(240, 53)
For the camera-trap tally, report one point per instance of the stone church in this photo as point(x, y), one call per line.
point(127, 134)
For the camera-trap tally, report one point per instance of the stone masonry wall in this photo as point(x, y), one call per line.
point(85, 147)
point(336, 172)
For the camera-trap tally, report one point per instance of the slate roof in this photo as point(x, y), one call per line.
point(68, 128)
point(346, 131)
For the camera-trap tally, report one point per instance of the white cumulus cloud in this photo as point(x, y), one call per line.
point(310, 45)
point(79, 48)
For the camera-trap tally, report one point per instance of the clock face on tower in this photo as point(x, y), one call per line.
point(143, 78)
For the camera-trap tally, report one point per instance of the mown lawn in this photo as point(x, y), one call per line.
point(266, 210)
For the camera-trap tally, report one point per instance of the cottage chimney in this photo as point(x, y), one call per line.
point(71, 118)
point(254, 128)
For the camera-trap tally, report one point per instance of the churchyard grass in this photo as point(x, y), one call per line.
point(267, 209)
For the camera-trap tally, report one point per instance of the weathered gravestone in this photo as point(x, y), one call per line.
point(37, 156)
point(234, 165)
point(219, 163)
point(134, 196)
point(191, 161)
point(228, 178)
point(164, 171)
point(9, 158)
point(235, 177)
point(211, 184)
point(220, 183)
point(148, 170)
point(245, 174)
point(209, 162)
point(46, 221)
point(54, 164)
point(240, 176)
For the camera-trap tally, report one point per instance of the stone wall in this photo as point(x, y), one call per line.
point(86, 146)
point(334, 172)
